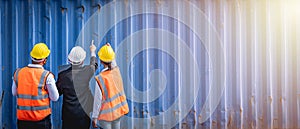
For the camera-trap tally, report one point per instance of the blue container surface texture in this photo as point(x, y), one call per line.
point(184, 63)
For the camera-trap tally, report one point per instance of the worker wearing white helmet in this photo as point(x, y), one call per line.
point(77, 55)
point(73, 84)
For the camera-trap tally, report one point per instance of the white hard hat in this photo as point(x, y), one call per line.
point(77, 55)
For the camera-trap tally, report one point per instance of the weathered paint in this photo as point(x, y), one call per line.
point(259, 38)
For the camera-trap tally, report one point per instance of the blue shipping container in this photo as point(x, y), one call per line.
point(184, 63)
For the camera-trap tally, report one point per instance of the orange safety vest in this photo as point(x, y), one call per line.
point(33, 103)
point(114, 103)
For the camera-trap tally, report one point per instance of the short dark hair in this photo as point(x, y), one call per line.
point(108, 64)
point(34, 62)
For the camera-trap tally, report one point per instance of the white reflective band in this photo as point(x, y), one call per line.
point(42, 82)
point(114, 108)
point(74, 63)
point(114, 97)
point(33, 108)
point(21, 96)
point(103, 87)
point(38, 61)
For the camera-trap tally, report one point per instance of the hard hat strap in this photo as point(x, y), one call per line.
point(37, 60)
point(74, 63)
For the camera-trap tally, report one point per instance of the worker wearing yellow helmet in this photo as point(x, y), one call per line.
point(110, 102)
point(34, 87)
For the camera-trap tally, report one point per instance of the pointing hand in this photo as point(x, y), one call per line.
point(92, 47)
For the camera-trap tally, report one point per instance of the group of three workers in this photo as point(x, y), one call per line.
point(34, 87)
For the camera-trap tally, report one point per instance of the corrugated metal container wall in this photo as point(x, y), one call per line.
point(185, 64)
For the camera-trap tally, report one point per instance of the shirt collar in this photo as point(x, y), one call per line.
point(35, 65)
point(104, 69)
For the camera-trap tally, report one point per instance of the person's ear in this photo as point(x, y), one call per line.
point(45, 61)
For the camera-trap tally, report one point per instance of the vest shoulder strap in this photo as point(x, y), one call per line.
point(16, 73)
point(102, 86)
point(42, 83)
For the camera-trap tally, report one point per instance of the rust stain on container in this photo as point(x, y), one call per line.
point(271, 99)
point(158, 2)
point(126, 1)
point(184, 125)
point(175, 113)
point(252, 100)
point(199, 118)
point(281, 99)
point(241, 109)
point(252, 125)
point(63, 9)
point(214, 122)
point(145, 114)
point(261, 119)
point(229, 121)
point(152, 122)
point(275, 123)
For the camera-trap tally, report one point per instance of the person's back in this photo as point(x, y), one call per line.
point(115, 104)
point(73, 84)
point(110, 103)
point(34, 87)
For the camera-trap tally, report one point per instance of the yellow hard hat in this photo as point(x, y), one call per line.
point(106, 53)
point(40, 51)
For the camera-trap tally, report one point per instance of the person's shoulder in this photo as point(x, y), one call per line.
point(89, 68)
point(17, 69)
point(99, 75)
point(64, 73)
point(64, 68)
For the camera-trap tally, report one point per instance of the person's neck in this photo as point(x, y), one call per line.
point(42, 64)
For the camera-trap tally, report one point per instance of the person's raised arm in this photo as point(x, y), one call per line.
point(93, 61)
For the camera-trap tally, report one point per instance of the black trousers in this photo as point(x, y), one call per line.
point(42, 124)
point(80, 123)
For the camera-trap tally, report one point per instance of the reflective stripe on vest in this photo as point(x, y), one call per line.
point(40, 86)
point(32, 108)
point(103, 87)
point(114, 108)
point(33, 97)
point(114, 97)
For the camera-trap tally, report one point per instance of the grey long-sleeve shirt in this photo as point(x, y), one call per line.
point(97, 100)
